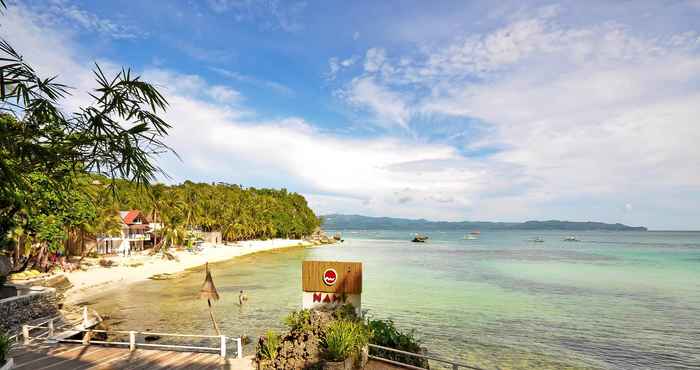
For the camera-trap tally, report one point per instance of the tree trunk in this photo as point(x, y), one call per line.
point(18, 250)
point(82, 241)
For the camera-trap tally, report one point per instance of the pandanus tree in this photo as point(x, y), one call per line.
point(117, 135)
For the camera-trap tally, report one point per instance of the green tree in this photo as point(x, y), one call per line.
point(117, 135)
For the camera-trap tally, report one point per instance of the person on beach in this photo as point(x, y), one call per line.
point(242, 298)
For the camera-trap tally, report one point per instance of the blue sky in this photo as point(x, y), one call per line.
point(458, 110)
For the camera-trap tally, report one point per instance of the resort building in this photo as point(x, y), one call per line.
point(135, 232)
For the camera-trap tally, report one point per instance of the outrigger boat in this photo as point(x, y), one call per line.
point(571, 239)
point(418, 238)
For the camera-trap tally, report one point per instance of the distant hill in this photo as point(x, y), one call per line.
point(356, 222)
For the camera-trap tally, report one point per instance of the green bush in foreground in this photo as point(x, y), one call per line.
point(268, 349)
point(384, 333)
point(343, 338)
point(5, 345)
point(299, 320)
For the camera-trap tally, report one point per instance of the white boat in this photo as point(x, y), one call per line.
point(537, 240)
point(571, 238)
point(470, 237)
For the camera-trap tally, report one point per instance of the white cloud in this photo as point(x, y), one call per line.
point(192, 86)
point(267, 14)
point(70, 15)
point(591, 112)
point(270, 85)
point(596, 111)
point(389, 106)
point(374, 59)
point(335, 65)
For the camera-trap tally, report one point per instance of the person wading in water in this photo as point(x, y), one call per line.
point(242, 298)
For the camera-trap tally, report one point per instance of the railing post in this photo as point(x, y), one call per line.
point(50, 328)
point(132, 341)
point(223, 346)
point(25, 333)
point(239, 348)
point(86, 322)
point(86, 338)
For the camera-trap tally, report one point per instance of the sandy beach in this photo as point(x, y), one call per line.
point(140, 267)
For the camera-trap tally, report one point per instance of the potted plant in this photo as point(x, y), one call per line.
point(345, 344)
point(6, 362)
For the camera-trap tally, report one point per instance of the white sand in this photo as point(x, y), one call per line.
point(97, 279)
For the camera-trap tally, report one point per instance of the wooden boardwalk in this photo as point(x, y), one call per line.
point(76, 356)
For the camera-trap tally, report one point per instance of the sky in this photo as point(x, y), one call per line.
point(464, 110)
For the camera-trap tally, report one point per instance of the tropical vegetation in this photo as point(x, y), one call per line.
point(239, 213)
point(343, 339)
point(5, 346)
point(385, 333)
point(45, 151)
point(318, 336)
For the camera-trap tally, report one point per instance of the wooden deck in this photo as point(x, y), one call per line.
point(75, 356)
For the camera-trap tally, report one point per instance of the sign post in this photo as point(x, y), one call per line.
point(330, 284)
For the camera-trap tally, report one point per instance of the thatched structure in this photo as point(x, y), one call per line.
point(208, 290)
point(209, 293)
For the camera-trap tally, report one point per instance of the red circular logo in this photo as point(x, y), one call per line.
point(330, 277)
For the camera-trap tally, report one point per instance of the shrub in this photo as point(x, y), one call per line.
point(299, 320)
point(384, 333)
point(343, 338)
point(268, 347)
point(5, 345)
point(345, 312)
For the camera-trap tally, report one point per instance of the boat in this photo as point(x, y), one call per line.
point(470, 236)
point(537, 240)
point(475, 232)
point(571, 238)
point(418, 238)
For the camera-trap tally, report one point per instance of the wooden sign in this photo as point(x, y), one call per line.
point(332, 277)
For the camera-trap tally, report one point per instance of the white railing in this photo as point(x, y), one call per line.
point(133, 342)
point(455, 365)
point(47, 324)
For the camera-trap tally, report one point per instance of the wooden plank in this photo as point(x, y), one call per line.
point(76, 360)
point(94, 357)
point(175, 358)
point(37, 357)
point(197, 361)
point(147, 361)
point(127, 359)
point(349, 277)
point(115, 354)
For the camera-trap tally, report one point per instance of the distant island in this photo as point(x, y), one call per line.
point(357, 222)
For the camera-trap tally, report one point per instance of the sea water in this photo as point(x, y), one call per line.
point(613, 300)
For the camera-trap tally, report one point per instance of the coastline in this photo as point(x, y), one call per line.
point(143, 267)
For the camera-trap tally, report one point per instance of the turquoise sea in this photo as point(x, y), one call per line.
point(614, 300)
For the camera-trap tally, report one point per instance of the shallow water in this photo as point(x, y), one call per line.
point(615, 300)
